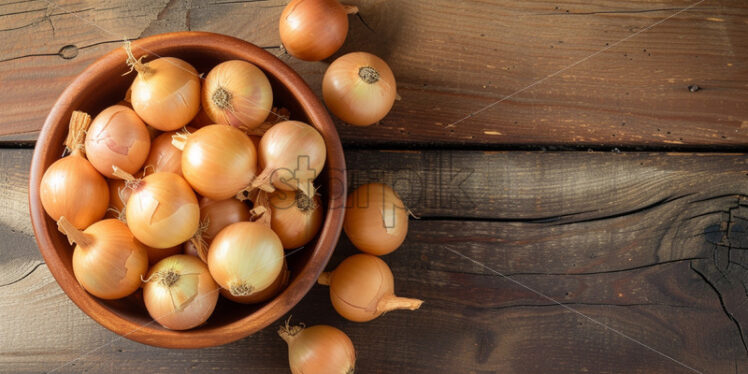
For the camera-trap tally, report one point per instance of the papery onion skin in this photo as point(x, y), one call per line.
point(295, 218)
point(219, 161)
point(237, 93)
point(376, 220)
point(245, 258)
point(162, 211)
point(166, 93)
point(319, 349)
point(164, 157)
point(268, 293)
point(117, 137)
point(313, 30)
point(107, 261)
point(199, 303)
point(359, 88)
point(362, 288)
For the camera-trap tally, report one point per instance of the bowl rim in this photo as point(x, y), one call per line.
point(276, 307)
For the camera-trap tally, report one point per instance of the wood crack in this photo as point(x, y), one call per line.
point(635, 11)
point(58, 53)
point(586, 304)
point(23, 276)
point(631, 212)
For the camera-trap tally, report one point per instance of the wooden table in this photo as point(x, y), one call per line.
point(583, 205)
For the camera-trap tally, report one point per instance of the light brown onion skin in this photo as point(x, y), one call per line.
point(221, 213)
point(72, 187)
point(112, 266)
point(157, 254)
point(167, 95)
point(162, 211)
point(251, 97)
point(157, 296)
point(350, 97)
point(164, 156)
point(219, 161)
point(274, 289)
point(376, 220)
point(320, 349)
point(313, 30)
point(201, 120)
point(295, 227)
point(117, 137)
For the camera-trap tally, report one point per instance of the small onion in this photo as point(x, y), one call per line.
point(117, 137)
point(107, 260)
point(214, 216)
point(237, 93)
point(318, 349)
point(166, 91)
point(164, 156)
point(295, 217)
point(71, 186)
point(376, 220)
point(274, 289)
point(217, 160)
point(292, 154)
point(162, 211)
point(362, 288)
point(245, 258)
point(359, 88)
point(179, 292)
point(313, 30)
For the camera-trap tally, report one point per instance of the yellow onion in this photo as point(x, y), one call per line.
point(237, 93)
point(318, 349)
point(201, 120)
point(107, 260)
point(117, 137)
point(376, 220)
point(166, 91)
point(292, 155)
point(179, 292)
point(71, 186)
point(274, 289)
point(313, 30)
point(214, 216)
point(217, 160)
point(295, 217)
point(162, 211)
point(164, 156)
point(362, 288)
point(245, 258)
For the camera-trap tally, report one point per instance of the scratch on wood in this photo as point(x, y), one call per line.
point(634, 11)
point(23, 276)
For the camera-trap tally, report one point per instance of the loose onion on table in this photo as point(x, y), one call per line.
point(245, 258)
point(237, 93)
point(217, 160)
point(313, 30)
point(359, 88)
point(318, 349)
point(292, 155)
point(162, 211)
point(214, 216)
point(179, 292)
point(376, 220)
point(117, 137)
point(71, 186)
point(362, 288)
point(166, 91)
point(295, 217)
point(107, 260)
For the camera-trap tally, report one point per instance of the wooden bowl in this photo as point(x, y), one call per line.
point(101, 85)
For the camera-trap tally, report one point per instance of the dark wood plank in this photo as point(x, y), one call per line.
point(451, 59)
point(667, 269)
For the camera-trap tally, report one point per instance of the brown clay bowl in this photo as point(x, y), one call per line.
point(101, 85)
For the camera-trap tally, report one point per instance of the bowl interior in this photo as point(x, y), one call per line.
point(102, 85)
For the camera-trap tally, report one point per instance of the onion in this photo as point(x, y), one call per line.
point(362, 288)
point(217, 160)
point(215, 215)
point(292, 154)
point(237, 93)
point(359, 88)
point(245, 258)
point(164, 156)
point(71, 186)
point(295, 217)
point(376, 220)
point(162, 211)
point(201, 120)
point(117, 137)
point(275, 288)
point(118, 196)
point(179, 292)
point(107, 260)
point(318, 349)
point(313, 30)
point(166, 91)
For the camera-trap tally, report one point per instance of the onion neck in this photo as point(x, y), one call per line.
point(130, 181)
point(135, 63)
point(392, 302)
point(79, 123)
point(263, 181)
point(288, 333)
point(74, 235)
point(350, 9)
point(325, 278)
point(368, 74)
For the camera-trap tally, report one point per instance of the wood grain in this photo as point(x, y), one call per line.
point(659, 259)
point(599, 84)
